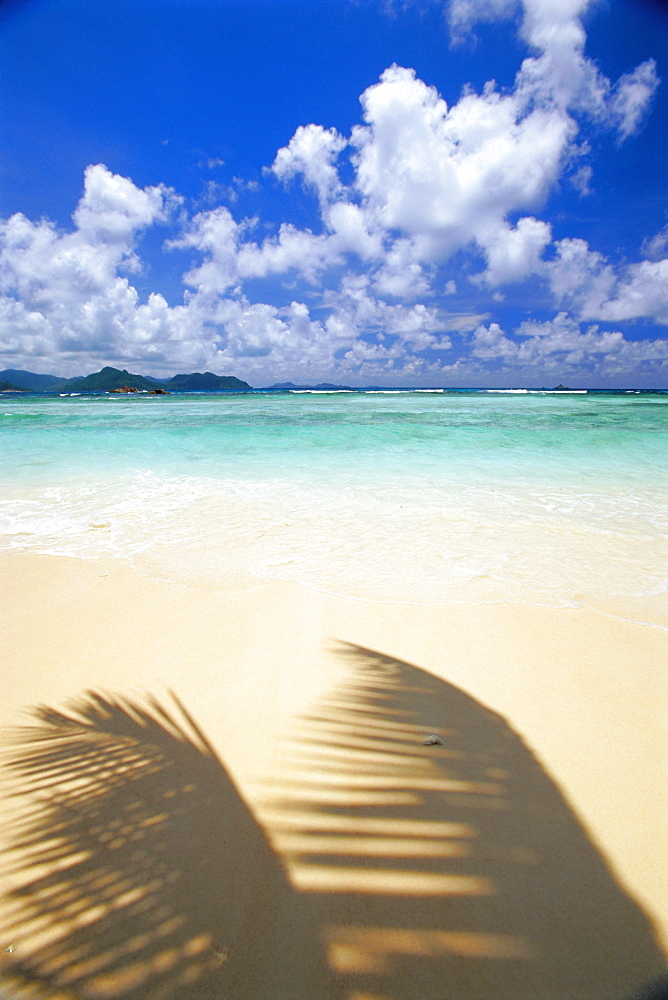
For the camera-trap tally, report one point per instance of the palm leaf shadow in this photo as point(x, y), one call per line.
point(459, 870)
point(138, 870)
point(456, 871)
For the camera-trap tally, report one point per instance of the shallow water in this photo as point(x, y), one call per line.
point(412, 497)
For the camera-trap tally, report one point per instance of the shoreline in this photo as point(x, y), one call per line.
point(582, 691)
point(240, 583)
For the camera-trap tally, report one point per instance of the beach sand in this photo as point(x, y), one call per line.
point(282, 831)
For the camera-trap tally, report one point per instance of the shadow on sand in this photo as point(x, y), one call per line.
point(390, 869)
point(140, 872)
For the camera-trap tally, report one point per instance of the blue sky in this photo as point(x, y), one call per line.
point(421, 192)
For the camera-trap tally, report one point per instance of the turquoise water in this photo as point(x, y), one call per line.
point(413, 497)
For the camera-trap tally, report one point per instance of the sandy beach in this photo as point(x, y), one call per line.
point(313, 846)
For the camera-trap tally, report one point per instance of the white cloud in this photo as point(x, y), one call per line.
point(581, 180)
point(447, 177)
point(402, 274)
point(293, 249)
point(425, 183)
point(559, 74)
point(351, 233)
point(416, 326)
point(357, 311)
point(113, 209)
point(632, 96)
point(62, 294)
point(215, 234)
point(560, 344)
point(431, 179)
point(512, 254)
point(641, 292)
point(585, 281)
point(253, 329)
point(312, 152)
point(656, 247)
point(464, 14)
point(62, 291)
point(579, 276)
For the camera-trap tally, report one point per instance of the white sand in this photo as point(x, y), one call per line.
point(585, 692)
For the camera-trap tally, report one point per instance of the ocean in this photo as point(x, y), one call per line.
point(412, 497)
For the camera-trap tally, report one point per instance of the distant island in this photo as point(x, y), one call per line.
point(207, 382)
point(320, 385)
point(30, 380)
point(10, 387)
point(120, 380)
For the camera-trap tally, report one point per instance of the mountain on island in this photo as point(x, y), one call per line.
point(106, 380)
point(31, 380)
point(114, 379)
point(206, 381)
point(10, 387)
point(320, 385)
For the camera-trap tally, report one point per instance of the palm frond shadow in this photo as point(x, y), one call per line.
point(139, 871)
point(448, 872)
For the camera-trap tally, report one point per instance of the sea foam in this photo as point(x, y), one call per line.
point(412, 498)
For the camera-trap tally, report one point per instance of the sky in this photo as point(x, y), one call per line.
point(387, 192)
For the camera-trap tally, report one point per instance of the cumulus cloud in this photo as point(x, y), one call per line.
point(585, 281)
point(431, 179)
point(356, 311)
point(579, 276)
point(641, 292)
point(62, 292)
point(417, 188)
point(656, 247)
point(513, 253)
point(293, 249)
point(403, 274)
point(312, 152)
point(559, 73)
point(447, 177)
point(47, 268)
point(113, 209)
point(562, 340)
point(215, 234)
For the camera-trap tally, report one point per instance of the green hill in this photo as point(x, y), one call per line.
point(207, 381)
point(31, 380)
point(8, 387)
point(107, 379)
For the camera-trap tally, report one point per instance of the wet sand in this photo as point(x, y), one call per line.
point(279, 829)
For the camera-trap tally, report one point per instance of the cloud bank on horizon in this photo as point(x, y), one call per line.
point(425, 223)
